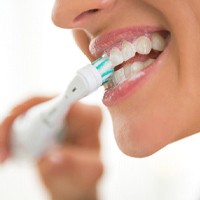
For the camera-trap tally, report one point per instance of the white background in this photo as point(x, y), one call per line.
point(38, 58)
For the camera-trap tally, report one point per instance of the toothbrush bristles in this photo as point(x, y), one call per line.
point(104, 67)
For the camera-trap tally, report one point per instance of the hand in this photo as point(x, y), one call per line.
point(72, 170)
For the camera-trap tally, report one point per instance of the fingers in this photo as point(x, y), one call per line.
point(24, 106)
point(4, 134)
point(83, 123)
point(5, 126)
point(71, 172)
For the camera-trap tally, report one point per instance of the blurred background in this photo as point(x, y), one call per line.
point(37, 58)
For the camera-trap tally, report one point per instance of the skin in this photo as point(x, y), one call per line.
point(71, 170)
point(143, 123)
point(163, 110)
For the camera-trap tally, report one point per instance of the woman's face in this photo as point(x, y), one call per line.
point(154, 98)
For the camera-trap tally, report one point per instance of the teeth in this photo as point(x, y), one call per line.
point(143, 45)
point(119, 76)
point(128, 50)
point(109, 84)
point(158, 42)
point(148, 62)
point(128, 72)
point(137, 66)
point(116, 56)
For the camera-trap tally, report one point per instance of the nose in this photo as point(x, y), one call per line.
point(76, 13)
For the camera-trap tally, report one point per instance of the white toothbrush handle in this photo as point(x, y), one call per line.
point(42, 126)
point(33, 133)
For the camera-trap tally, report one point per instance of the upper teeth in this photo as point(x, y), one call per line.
point(158, 42)
point(116, 56)
point(143, 45)
point(128, 50)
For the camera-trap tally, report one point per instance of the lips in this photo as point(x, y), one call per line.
point(135, 51)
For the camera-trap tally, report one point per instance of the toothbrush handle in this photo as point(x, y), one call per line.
point(41, 126)
point(38, 129)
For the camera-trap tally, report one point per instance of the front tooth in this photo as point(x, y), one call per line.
point(158, 42)
point(137, 66)
point(116, 56)
point(119, 76)
point(143, 45)
point(128, 50)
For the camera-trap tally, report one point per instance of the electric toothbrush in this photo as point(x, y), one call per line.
point(42, 125)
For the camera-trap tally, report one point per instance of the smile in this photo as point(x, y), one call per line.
point(134, 53)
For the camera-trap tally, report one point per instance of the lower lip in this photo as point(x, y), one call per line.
point(119, 93)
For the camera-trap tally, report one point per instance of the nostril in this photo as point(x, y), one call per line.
point(93, 11)
point(86, 13)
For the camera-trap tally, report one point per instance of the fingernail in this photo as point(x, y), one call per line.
point(54, 161)
point(55, 157)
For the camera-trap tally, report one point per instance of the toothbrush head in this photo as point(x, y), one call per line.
point(90, 78)
point(104, 67)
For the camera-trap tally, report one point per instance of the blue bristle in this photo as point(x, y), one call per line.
point(110, 71)
point(99, 64)
point(94, 63)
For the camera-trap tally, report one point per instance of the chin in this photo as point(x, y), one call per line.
point(137, 147)
point(142, 140)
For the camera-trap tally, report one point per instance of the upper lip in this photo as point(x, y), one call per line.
point(104, 43)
